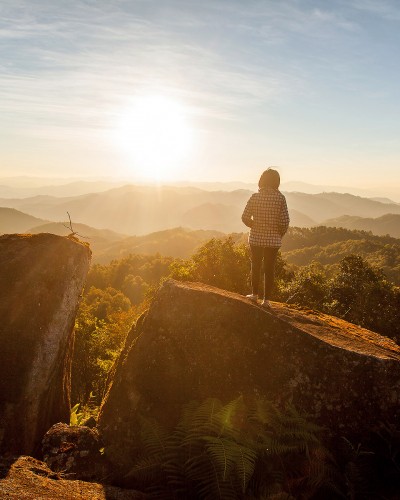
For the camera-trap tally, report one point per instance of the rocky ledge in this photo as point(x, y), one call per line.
point(196, 341)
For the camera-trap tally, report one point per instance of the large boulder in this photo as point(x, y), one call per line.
point(41, 279)
point(197, 341)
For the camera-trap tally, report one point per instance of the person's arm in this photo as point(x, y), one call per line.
point(284, 218)
point(248, 214)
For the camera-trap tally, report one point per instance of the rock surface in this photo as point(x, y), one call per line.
point(26, 478)
point(196, 341)
point(74, 451)
point(41, 279)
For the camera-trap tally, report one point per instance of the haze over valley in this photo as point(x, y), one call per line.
point(177, 220)
point(141, 209)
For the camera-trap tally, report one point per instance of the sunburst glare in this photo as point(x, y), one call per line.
point(155, 135)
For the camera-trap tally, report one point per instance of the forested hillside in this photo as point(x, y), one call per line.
point(301, 246)
point(331, 278)
point(329, 245)
point(386, 224)
point(176, 242)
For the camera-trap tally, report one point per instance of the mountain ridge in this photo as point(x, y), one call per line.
point(135, 210)
point(385, 224)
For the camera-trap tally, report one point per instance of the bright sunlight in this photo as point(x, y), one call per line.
point(154, 133)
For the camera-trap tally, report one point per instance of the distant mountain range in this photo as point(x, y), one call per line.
point(176, 242)
point(136, 210)
point(326, 245)
point(28, 189)
point(14, 221)
point(25, 186)
point(386, 224)
point(323, 206)
point(106, 244)
point(379, 194)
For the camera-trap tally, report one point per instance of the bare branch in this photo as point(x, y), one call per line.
point(73, 233)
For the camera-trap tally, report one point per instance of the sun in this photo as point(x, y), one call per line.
point(154, 132)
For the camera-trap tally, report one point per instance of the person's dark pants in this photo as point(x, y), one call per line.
point(258, 255)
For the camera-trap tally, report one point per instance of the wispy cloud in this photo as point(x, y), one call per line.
point(75, 66)
point(72, 66)
point(385, 9)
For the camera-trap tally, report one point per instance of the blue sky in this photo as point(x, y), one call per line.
point(311, 87)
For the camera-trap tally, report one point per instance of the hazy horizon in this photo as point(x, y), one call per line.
point(25, 184)
point(156, 91)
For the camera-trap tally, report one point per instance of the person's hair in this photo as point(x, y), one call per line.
point(269, 178)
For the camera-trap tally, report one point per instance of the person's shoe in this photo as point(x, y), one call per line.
point(252, 297)
point(265, 304)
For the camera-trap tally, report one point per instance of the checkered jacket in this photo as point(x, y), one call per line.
point(267, 216)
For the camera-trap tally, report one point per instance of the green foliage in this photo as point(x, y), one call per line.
point(232, 451)
point(219, 262)
point(363, 295)
point(356, 292)
point(308, 287)
point(223, 263)
point(297, 237)
point(76, 417)
point(105, 303)
point(103, 321)
point(177, 242)
point(114, 296)
point(329, 245)
point(131, 275)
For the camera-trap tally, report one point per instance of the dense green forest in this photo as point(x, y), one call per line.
point(301, 246)
point(329, 245)
point(349, 274)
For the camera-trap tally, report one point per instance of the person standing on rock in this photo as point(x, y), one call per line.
point(267, 216)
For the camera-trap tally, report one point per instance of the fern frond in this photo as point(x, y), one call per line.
point(176, 477)
point(146, 470)
point(220, 451)
point(209, 483)
point(292, 419)
point(203, 418)
point(152, 435)
point(231, 460)
point(261, 411)
point(245, 464)
point(188, 411)
point(226, 451)
point(229, 415)
point(266, 479)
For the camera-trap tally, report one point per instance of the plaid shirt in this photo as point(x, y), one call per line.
point(267, 216)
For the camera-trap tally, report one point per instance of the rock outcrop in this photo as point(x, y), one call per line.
point(74, 451)
point(41, 279)
point(26, 478)
point(196, 341)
